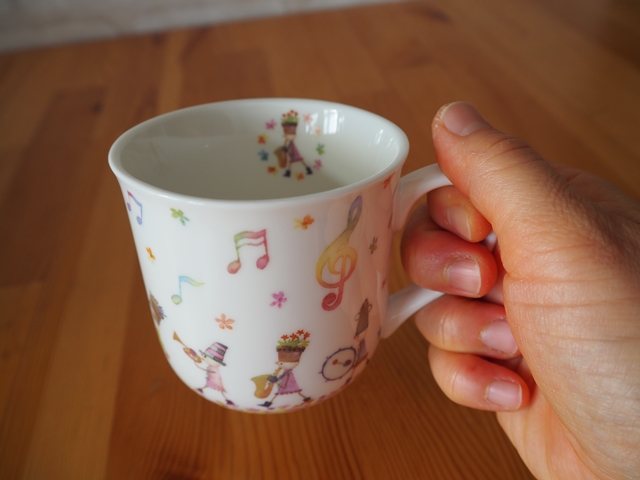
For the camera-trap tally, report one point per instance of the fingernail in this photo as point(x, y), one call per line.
point(462, 118)
point(458, 219)
point(504, 394)
point(498, 336)
point(464, 275)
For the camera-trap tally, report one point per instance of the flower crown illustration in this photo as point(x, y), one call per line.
point(290, 118)
point(290, 348)
point(299, 339)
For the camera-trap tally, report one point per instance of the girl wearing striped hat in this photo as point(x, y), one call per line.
point(214, 358)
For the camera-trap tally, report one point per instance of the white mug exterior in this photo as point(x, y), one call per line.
point(274, 296)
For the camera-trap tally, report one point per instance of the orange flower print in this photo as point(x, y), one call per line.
point(262, 139)
point(224, 322)
point(304, 223)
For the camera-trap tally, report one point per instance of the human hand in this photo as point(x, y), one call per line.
point(560, 361)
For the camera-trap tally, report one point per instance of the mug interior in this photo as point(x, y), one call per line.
point(259, 149)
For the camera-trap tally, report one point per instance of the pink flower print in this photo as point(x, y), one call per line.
point(308, 118)
point(279, 299)
point(271, 124)
point(224, 322)
point(317, 164)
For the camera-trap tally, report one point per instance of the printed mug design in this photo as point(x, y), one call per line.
point(338, 262)
point(346, 360)
point(289, 158)
point(225, 323)
point(283, 386)
point(177, 298)
point(339, 259)
point(278, 299)
point(252, 239)
point(304, 223)
point(179, 214)
point(156, 310)
point(374, 245)
point(131, 197)
point(213, 358)
point(290, 350)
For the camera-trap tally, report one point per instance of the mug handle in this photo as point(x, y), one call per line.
point(406, 302)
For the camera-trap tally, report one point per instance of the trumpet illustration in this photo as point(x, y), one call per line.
point(191, 353)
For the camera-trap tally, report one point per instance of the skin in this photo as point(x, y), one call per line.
point(544, 330)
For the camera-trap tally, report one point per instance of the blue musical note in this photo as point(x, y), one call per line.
point(177, 299)
point(138, 217)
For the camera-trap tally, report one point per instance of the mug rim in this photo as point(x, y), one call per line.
point(115, 160)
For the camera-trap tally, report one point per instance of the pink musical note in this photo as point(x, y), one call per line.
point(243, 239)
point(138, 217)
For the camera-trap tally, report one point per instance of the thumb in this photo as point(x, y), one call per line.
point(533, 210)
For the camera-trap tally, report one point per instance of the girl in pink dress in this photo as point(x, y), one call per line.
point(213, 357)
point(289, 149)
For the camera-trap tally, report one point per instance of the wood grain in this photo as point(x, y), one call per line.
point(85, 390)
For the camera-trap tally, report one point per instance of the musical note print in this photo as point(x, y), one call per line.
point(177, 299)
point(252, 239)
point(138, 217)
point(340, 259)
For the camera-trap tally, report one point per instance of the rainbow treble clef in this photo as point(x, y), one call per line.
point(340, 259)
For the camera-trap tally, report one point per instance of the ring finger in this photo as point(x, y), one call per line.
point(464, 325)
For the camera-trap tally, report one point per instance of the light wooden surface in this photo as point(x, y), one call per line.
point(85, 391)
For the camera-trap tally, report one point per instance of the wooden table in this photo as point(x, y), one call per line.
point(85, 391)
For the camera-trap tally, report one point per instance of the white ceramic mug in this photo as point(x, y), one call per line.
point(264, 231)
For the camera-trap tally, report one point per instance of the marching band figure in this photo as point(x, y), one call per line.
point(213, 357)
point(288, 154)
point(289, 350)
